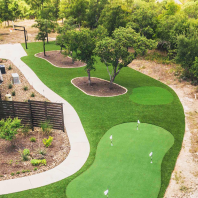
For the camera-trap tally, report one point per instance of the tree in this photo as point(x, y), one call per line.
point(114, 51)
point(144, 20)
point(6, 12)
point(69, 24)
point(87, 43)
point(42, 25)
point(113, 17)
point(78, 10)
point(71, 43)
point(187, 52)
point(94, 11)
point(9, 128)
point(45, 27)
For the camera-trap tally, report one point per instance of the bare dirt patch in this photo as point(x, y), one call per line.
point(57, 59)
point(184, 179)
point(98, 87)
point(10, 158)
point(10, 36)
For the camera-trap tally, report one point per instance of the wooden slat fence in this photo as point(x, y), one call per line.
point(33, 113)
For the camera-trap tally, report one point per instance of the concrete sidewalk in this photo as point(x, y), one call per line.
point(80, 147)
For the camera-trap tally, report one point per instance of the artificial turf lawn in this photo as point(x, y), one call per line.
point(125, 167)
point(98, 115)
point(151, 96)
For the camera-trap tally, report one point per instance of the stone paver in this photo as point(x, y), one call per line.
point(80, 147)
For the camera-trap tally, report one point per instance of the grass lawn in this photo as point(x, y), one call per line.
point(151, 96)
point(98, 115)
point(125, 168)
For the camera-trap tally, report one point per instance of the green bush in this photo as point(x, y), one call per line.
point(46, 127)
point(36, 162)
point(25, 88)
point(10, 86)
point(13, 93)
point(10, 67)
point(47, 142)
point(35, 169)
point(25, 171)
point(9, 128)
point(12, 174)
point(25, 154)
point(32, 94)
point(18, 172)
point(32, 139)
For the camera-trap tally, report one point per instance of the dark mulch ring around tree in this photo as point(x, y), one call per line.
point(98, 87)
point(12, 163)
point(57, 59)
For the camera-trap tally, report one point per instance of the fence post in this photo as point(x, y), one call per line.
point(63, 118)
point(31, 120)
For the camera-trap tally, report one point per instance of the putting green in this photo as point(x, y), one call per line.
point(151, 96)
point(125, 167)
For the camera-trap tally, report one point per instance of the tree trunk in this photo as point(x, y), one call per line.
point(89, 76)
point(44, 47)
point(8, 23)
point(72, 58)
point(62, 20)
point(47, 37)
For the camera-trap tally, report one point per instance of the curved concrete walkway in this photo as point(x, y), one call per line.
point(80, 147)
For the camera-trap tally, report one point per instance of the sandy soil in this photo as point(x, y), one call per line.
point(184, 179)
point(7, 35)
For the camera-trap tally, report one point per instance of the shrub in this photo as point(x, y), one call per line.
point(10, 67)
point(18, 172)
point(32, 139)
point(10, 86)
point(46, 127)
point(13, 93)
point(25, 171)
point(32, 94)
point(9, 128)
point(47, 142)
point(12, 174)
point(36, 162)
point(25, 154)
point(35, 169)
point(25, 88)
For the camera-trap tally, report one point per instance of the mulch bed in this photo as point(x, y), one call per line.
point(12, 164)
point(59, 60)
point(99, 87)
point(10, 158)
